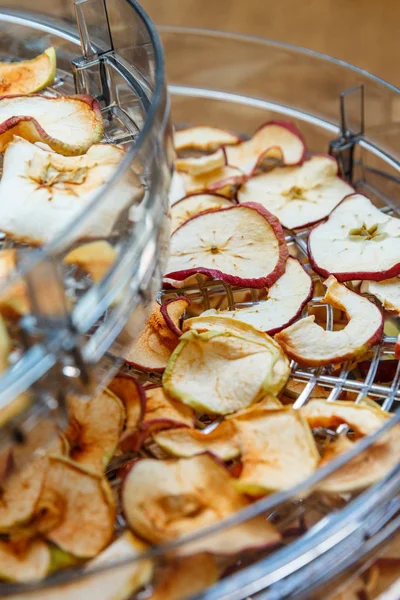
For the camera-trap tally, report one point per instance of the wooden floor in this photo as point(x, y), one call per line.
point(363, 32)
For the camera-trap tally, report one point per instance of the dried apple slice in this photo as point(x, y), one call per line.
point(298, 196)
point(186, 577)
point(177, 188)
point(69, 125)
point(133, 396)
point(364, 419)
point(242, 245)
point(79, 505)
point(172, 311)
point(357, 241)
point(163, 500)
point(96, 258)
point(284, 304)
point(14, 300)
point(269, 462)
point(221, 372)
point(24, 561)
point(42, 192)
point(387, 292)
point(276, 139)
point(155, 344)
point(221, 441)
point(203, 138)
point(223, 180)
point(197, 165)
point(28, 76)
point(94, 429)
point(308, 343)
point(194, 204)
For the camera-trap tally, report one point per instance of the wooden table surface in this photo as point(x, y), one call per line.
point(362, 32)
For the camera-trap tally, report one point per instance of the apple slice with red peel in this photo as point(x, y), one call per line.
point(298, 196)
point(24, 561)
point(197, 165)
point(164, 500)
point(28, 76)
point(203, 138)
point(69, 125)
point(269, 462)
point(221, 441)
point(309, 344)
point(96, 258)
point(222, 372)
point(133, 396)
point(387, 292)
point(397, 348)
point(80, 507)
point(276, 139)
point(357, 241)
point(94, 429)
point(222, 180)
point(186, 577)
point(193, 205)
point(364, 419)
point(286, 300)
point(172, 311)
point(242, 245)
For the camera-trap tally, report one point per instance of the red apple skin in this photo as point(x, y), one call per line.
point(167, 318)
point(260, 282)
point(397, 350)
point(139, 388)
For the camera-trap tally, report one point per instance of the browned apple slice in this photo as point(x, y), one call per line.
point(42, 192)
point(276, 139)
point(284, 304)
point(194, 204)
point(155, 344)
point(95, 258)
point(242, 245)
point(186, 577)
point(79, 505)
point(298, 196)
point(172, 311)
point(24, 561)
point(28, 76)
point(222, 372)
point(387, 292)
point(197, 165)
point(203, 138)
point(69, 125)
point(278, 450)
point(163, 500)
point(14, 300)
point(133, 396)
point(363, 418)
point(308, 343)
point(94, 429)
point(221, 441)
point(223, 180)
point(358, 241)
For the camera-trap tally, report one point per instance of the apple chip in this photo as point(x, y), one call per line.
point(186, 577)
point(28, 76)
point(42, 192)
point(69, 125)
point(203, 138)
point(193, 205)
point(133, 397)
point(76, 508)
point(152, 349)
point(397, 348)
point(309, 344)
point(284, 304)
point(278, 450)
point(357, 241)
point(95, 258)
point(24, 561)
point(223, 180)
point(276, 139)
point(94, 429)
point(172, 311)
point(197, 165)
point(298, 196)
point(387, 292)
point(364, 419)
point(14, 300)
point(177, 188)
point(168, 499)
point(268, 402)
point(221, 441)
point(243, 245)
point(222, 372)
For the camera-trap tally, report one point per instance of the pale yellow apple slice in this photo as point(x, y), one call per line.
point(194, 204)
point(387, 292)
point(298, 196)
point(177, 189)
point(222, 372)
point(69, 125)
point(94, 429)
point(278, 450)
point(42, 192)
point(223, 180)
point(95, 258)
point(221, 441)
point(163, 500)
point(76, 509)
point(358, 241)
point(203, 138)
point(268, 402)
point(197, 165)
point(186, 577)
point(24, 561)
point(28, 76)
point(308, 343)
point(284, 304)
